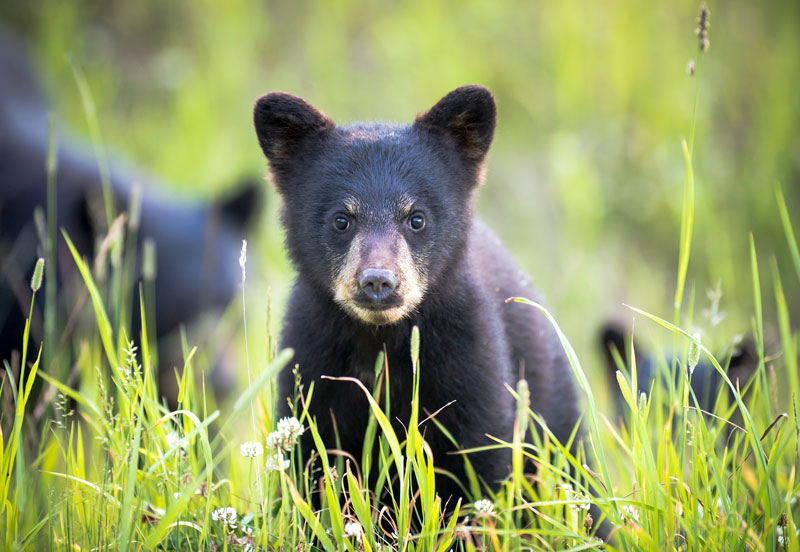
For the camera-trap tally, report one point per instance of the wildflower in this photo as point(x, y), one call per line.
point(285, 437)
point(353, 529)
point(173, 440)
point(36, 279)
point(484, 507)
point(630, 513)
point(251, 449)
point(226, 515)
point(275, 462)
point(572, 495)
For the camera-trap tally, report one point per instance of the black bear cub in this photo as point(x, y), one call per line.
point(381, 228)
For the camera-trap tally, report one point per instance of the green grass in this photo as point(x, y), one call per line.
point(123, 471)
point(110, 466)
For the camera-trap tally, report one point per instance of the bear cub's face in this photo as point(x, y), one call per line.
point(375, 214)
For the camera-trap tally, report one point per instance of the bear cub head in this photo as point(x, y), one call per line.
point(376, 214)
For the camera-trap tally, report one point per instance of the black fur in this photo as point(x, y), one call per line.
point(740, 362)
point(197, 244)
point(472, 342)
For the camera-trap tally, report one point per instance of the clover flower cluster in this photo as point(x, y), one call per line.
point(173, 440)
point(630, 513)
point(276, 462)
point(226, 515)
point(251, 449)
point(285, 436)
point(783, 539)
point(571, 494)
point(352, 529)
point(485, 507)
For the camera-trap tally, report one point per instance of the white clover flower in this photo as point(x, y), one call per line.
point(353, 529)
point(251, 449)
point(290, 426)
point(573, 495)
point(484, 506)
point(173, 440)
point(286, 435)
point(275, 462)
point(226, 515)
point(630, 513)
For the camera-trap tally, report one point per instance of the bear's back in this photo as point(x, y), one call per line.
point(533, 344)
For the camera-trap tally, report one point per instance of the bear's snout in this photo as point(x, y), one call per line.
point(377, 284)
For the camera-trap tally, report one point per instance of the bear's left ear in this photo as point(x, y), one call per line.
point(468, 115)
point(283, 122)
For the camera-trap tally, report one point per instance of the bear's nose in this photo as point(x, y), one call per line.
point(377, 283)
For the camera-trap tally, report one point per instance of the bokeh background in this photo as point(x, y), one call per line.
point(586, 175)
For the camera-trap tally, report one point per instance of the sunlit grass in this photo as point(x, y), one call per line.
point(124, 471)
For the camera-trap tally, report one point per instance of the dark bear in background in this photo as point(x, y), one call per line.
point(740, 363)
point(197, 245)
point(381, 228)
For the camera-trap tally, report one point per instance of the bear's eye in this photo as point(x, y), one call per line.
point(341, 222)
point(416, 221)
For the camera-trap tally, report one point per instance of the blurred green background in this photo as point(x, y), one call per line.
point(586, 175)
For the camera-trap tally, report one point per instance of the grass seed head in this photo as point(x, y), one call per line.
point(693, 356)
point(149, 260)
point(36, 279)
point(702, 28)
point(243, 260)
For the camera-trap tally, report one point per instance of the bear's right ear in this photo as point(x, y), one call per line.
point(283, 121)
point(467, 115)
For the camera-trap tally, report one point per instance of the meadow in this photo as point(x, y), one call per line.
point(630, 187)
